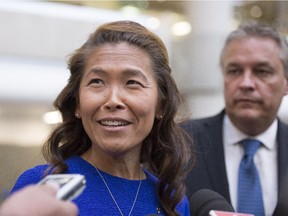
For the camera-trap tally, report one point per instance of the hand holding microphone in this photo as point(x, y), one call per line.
point(37, 200)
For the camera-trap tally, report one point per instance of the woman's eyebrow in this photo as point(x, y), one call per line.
point(135, 72)
point(126, 73)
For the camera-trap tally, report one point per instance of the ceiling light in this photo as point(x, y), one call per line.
point(181, 28)
point(130, 10)
point(53, 117)
point(256, 11)
point(153, 23)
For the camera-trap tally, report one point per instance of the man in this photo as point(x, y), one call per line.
point(254, 62)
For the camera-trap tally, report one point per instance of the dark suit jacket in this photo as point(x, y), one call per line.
point(209, 171)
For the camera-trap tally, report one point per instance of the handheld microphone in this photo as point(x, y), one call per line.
point(205, 200)
point(225, 213)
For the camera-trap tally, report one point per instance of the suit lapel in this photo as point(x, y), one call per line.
point(282, 140)
point(214, 157)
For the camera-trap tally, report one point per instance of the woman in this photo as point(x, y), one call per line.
point(118, 112)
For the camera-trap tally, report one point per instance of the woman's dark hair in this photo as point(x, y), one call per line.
point(165, 151)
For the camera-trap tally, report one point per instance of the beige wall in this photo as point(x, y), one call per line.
point(13, 161)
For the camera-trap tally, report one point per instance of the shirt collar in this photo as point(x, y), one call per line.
point(232, 135)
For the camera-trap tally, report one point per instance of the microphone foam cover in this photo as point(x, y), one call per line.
point(205, 200)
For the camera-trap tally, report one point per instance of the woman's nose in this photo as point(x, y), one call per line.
point(114, 99)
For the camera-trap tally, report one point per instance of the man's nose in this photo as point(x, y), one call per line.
point(247, 79)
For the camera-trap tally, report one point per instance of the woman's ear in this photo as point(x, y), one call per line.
point(159, 116)
point(159, 113)
point(77, 113)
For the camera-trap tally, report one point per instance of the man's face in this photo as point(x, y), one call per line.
point(254, 83)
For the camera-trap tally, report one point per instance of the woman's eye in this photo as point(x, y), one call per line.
point(134, 83)
point(96, 81)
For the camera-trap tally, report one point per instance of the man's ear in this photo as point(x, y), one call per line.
point(286, 87)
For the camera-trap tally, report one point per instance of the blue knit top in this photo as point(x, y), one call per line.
point(96, 200)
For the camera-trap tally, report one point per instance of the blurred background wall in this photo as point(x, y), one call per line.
point(37, 36)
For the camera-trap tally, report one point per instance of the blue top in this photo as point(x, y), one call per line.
point(96, 200)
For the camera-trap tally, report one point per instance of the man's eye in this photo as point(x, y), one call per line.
point(263, 72)
point(233, 71)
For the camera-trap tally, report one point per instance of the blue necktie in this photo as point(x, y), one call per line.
point(249, 188)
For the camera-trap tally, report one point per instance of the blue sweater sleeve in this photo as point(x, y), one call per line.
point(183, 207)
point(30, 176)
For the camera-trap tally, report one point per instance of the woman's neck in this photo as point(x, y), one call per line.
point(120, 166)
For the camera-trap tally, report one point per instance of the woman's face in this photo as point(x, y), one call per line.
point(118, 98)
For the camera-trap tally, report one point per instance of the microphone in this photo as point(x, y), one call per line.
point(205, 200)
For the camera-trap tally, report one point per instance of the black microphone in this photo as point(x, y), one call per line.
point(205, 200)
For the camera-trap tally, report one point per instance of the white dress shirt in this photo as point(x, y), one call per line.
point(265, 160)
